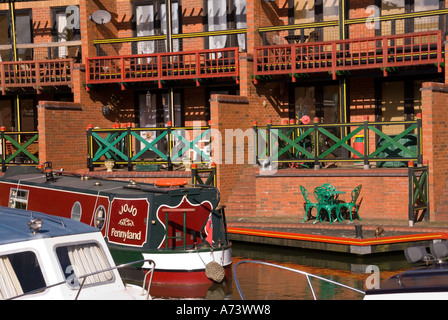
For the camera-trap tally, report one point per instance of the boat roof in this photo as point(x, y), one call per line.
point(14, 226)
point(94, 185)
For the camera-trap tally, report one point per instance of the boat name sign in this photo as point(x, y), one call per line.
point(128, 222)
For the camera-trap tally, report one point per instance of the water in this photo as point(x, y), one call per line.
point(261, 282)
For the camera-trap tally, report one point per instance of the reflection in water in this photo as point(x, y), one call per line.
point(260, 282)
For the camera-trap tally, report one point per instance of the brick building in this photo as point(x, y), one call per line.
point(70, 64)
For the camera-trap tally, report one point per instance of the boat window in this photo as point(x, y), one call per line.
point(20, 273)
point(18, 198)
point(82, 259)
point(100, 216)
point(76, 211)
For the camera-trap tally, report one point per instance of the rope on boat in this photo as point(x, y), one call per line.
point(307, 275)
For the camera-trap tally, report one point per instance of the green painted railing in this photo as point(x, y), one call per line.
point(367, 142)
point(131, 147)
point(418, 193)
point(19, 148)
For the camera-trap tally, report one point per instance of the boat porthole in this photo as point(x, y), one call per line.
point(76, 211)
point(100, 217)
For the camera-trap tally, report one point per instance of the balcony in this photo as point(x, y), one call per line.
point(163, 67)
point(341, 56)
point(51, 67)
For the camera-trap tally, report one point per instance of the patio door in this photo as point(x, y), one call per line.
point(318, 101)
point(154, 112)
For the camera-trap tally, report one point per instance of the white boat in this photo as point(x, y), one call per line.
point(48, 257)
point(429, 281)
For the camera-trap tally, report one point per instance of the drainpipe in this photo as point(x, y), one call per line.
point(14, 48)
point(170, 49)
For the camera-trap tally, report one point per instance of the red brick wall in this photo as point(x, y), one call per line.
point(384, 193)
point(435, 137)
point(236, 113)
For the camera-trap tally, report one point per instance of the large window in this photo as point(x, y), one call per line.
point(23, 27)
point(399, 26)
point(308, 11)
point(83, 259)
point(65, 29)
point(225, 15)
point(318, 101)
point(151, 19)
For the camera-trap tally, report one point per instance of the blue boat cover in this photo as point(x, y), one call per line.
point(14, 226)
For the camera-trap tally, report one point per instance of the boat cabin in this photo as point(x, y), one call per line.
point(47, 257)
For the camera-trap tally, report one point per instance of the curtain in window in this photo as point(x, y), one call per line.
point(240, 8)
point(174, 23)
point(88, 258)
point(145, 27)
point(9, 284)
point(217, 20)
point(61, 20)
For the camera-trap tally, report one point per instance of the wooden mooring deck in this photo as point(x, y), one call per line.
point(354, 238)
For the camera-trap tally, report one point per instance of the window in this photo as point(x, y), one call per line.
point(23, 27)
point(151, 19)
point(308, 11)
point(154, 112)
point(100, 217)
point(217, 20)
point(76, 211)
point(28, 116)
point(20, 273)
point(65, 28)
point(81, 259)
point(399, 26)
point(6, 113)
point(18, 198)
point(318, 101)
point(4, 37)
point(225, 15)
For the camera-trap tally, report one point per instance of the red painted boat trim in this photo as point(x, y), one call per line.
point(186, 277)
point(338, 240)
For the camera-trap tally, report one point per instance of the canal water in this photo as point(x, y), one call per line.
point(264, 282)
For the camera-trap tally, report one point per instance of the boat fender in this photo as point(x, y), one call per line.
point(171, 182)
point(214, 271)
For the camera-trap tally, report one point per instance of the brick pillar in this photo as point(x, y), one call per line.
point(435, 136)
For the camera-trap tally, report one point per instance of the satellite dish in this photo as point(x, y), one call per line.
point(100, 17)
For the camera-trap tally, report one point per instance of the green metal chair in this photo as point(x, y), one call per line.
point(308, 205)
point(326, 203)
point(350, 205)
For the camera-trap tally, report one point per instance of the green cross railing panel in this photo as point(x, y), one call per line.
point(19, 148)
point(388, 144)
point(130, 146)
point(418, 193)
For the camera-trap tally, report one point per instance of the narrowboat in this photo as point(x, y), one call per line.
point(180, 226)
point(54, 258)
